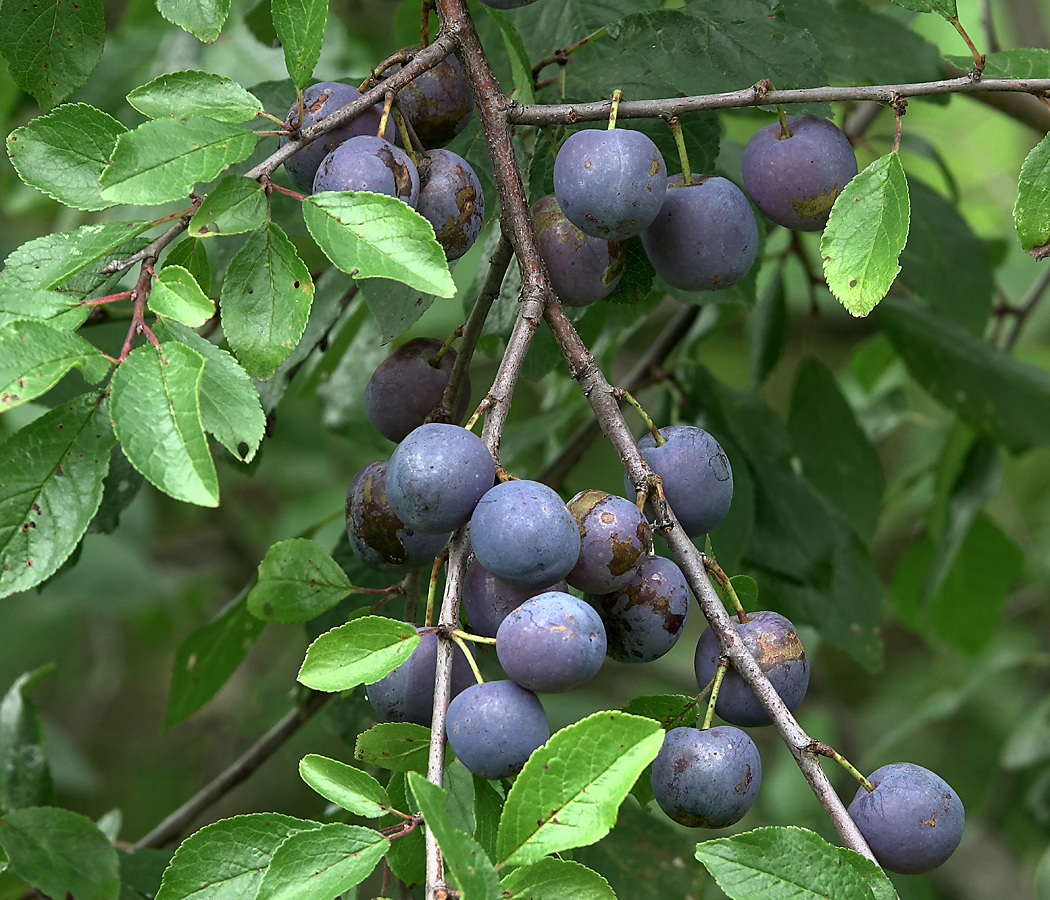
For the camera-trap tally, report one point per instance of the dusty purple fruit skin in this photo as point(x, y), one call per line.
point(913, 820)
point(697, 477)
point(451, 199)
point(407, 693)
point(706, 779)
point(494, 727)
point(705, 237)
point(437, 475)
point(795, 181)
point(551, 643)
point(369, 163)
point(610, 184)
point(524, 534)
point(645, 618)
point(487, 601)
point(377, 536)
point(614, 540)
point(405, 388)
point(775, 644)
point(438, 102)
point(583, 269)
point(320, 100)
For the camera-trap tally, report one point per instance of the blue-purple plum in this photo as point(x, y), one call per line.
point(614, 540)
point(705, 237)
point(610, 184)
point(913, 820)
point(583, 269)
point(369, 163)
point(320, 100)
point(406, 387)
point(795, 178)
point(437, 475)
point(494, 727)
point(437, 103)
point(487, 601)
point(407, 693)
point(451, 199)
point(697, 477)
point(706, 779)
point(773, 642)
point(551, 643)
point(524, 534)
point(645, 618)
point(377, 536)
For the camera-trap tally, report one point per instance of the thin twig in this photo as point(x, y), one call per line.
point(1024, 308)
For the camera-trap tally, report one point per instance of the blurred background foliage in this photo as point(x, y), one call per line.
point(970, 702)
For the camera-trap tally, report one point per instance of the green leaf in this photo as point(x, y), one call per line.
point(235, 205)
point(59, 851)
point(556, 879)
point(944, 8)
point(297, 581)
point(322, 863)
point(636, 283)
point(670, 710)
point(163, 159)
point(746, 591)
point(781, 863)
point(398, 746)
point(34, 357)
point(836, 455)
point(569, 791)
point(300, 28)
point(51, 473)
point(176, 295)
point(360, 652)
point(155, 407)
point(25, 776)
point(63, 154)
point(230, 407)
point(120, 486)
point(141, 872)
point(1021, 62)
point(192, 255)
point(1032, 209)
point(208, 95)
point(346, 786)
point(766, 329)
point(52, 47)
point(1006, 399)
point(864, 237)
point(520, 66)
point(266, 298)
point(207, 658)
point(466, 864)
point(228, 858)
point(395, 306)
point(376, 236)
point(201, 18)
point(58, 310)
point(407, 855)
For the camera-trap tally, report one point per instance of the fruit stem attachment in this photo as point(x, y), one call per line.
point(782, 116)
point(622, 394)
point(435, 572)
point(476, 638)
point(716, 685)
point(406, 135)
point(713, 568)
point(899, 105)
point(617, 96)
point(978, 57)
point(388, 102)
point(435, 360)
point(548, 133)
point(455, 636)
point(819, 748)
point(675, 124)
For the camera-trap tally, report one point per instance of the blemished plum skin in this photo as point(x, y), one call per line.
point(524, 534)
point(913, 820)
point(369, 163)
point(773, 642)
point(705, 237)
point(583, 269)
point(405, 388)
point(320, 100)
point(614, 540)
point(451, 199)
point(407, 693)
point(697, 477)
point(551, 643)
point(377, 536)
point(610, 184)
point(437, 103)
point(487, 601)
point(494, 727)
point(645, 618)
point(795, 180)
point(437, 475)
point(706, 779)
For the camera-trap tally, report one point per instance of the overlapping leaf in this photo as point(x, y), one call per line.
point(235, 205)
point(297, 581)
point(204, 93)
point(300, 29)
point(351, 788)
point(34, 356)
point(360, 652)
point(176, 295)
point(201, 18)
